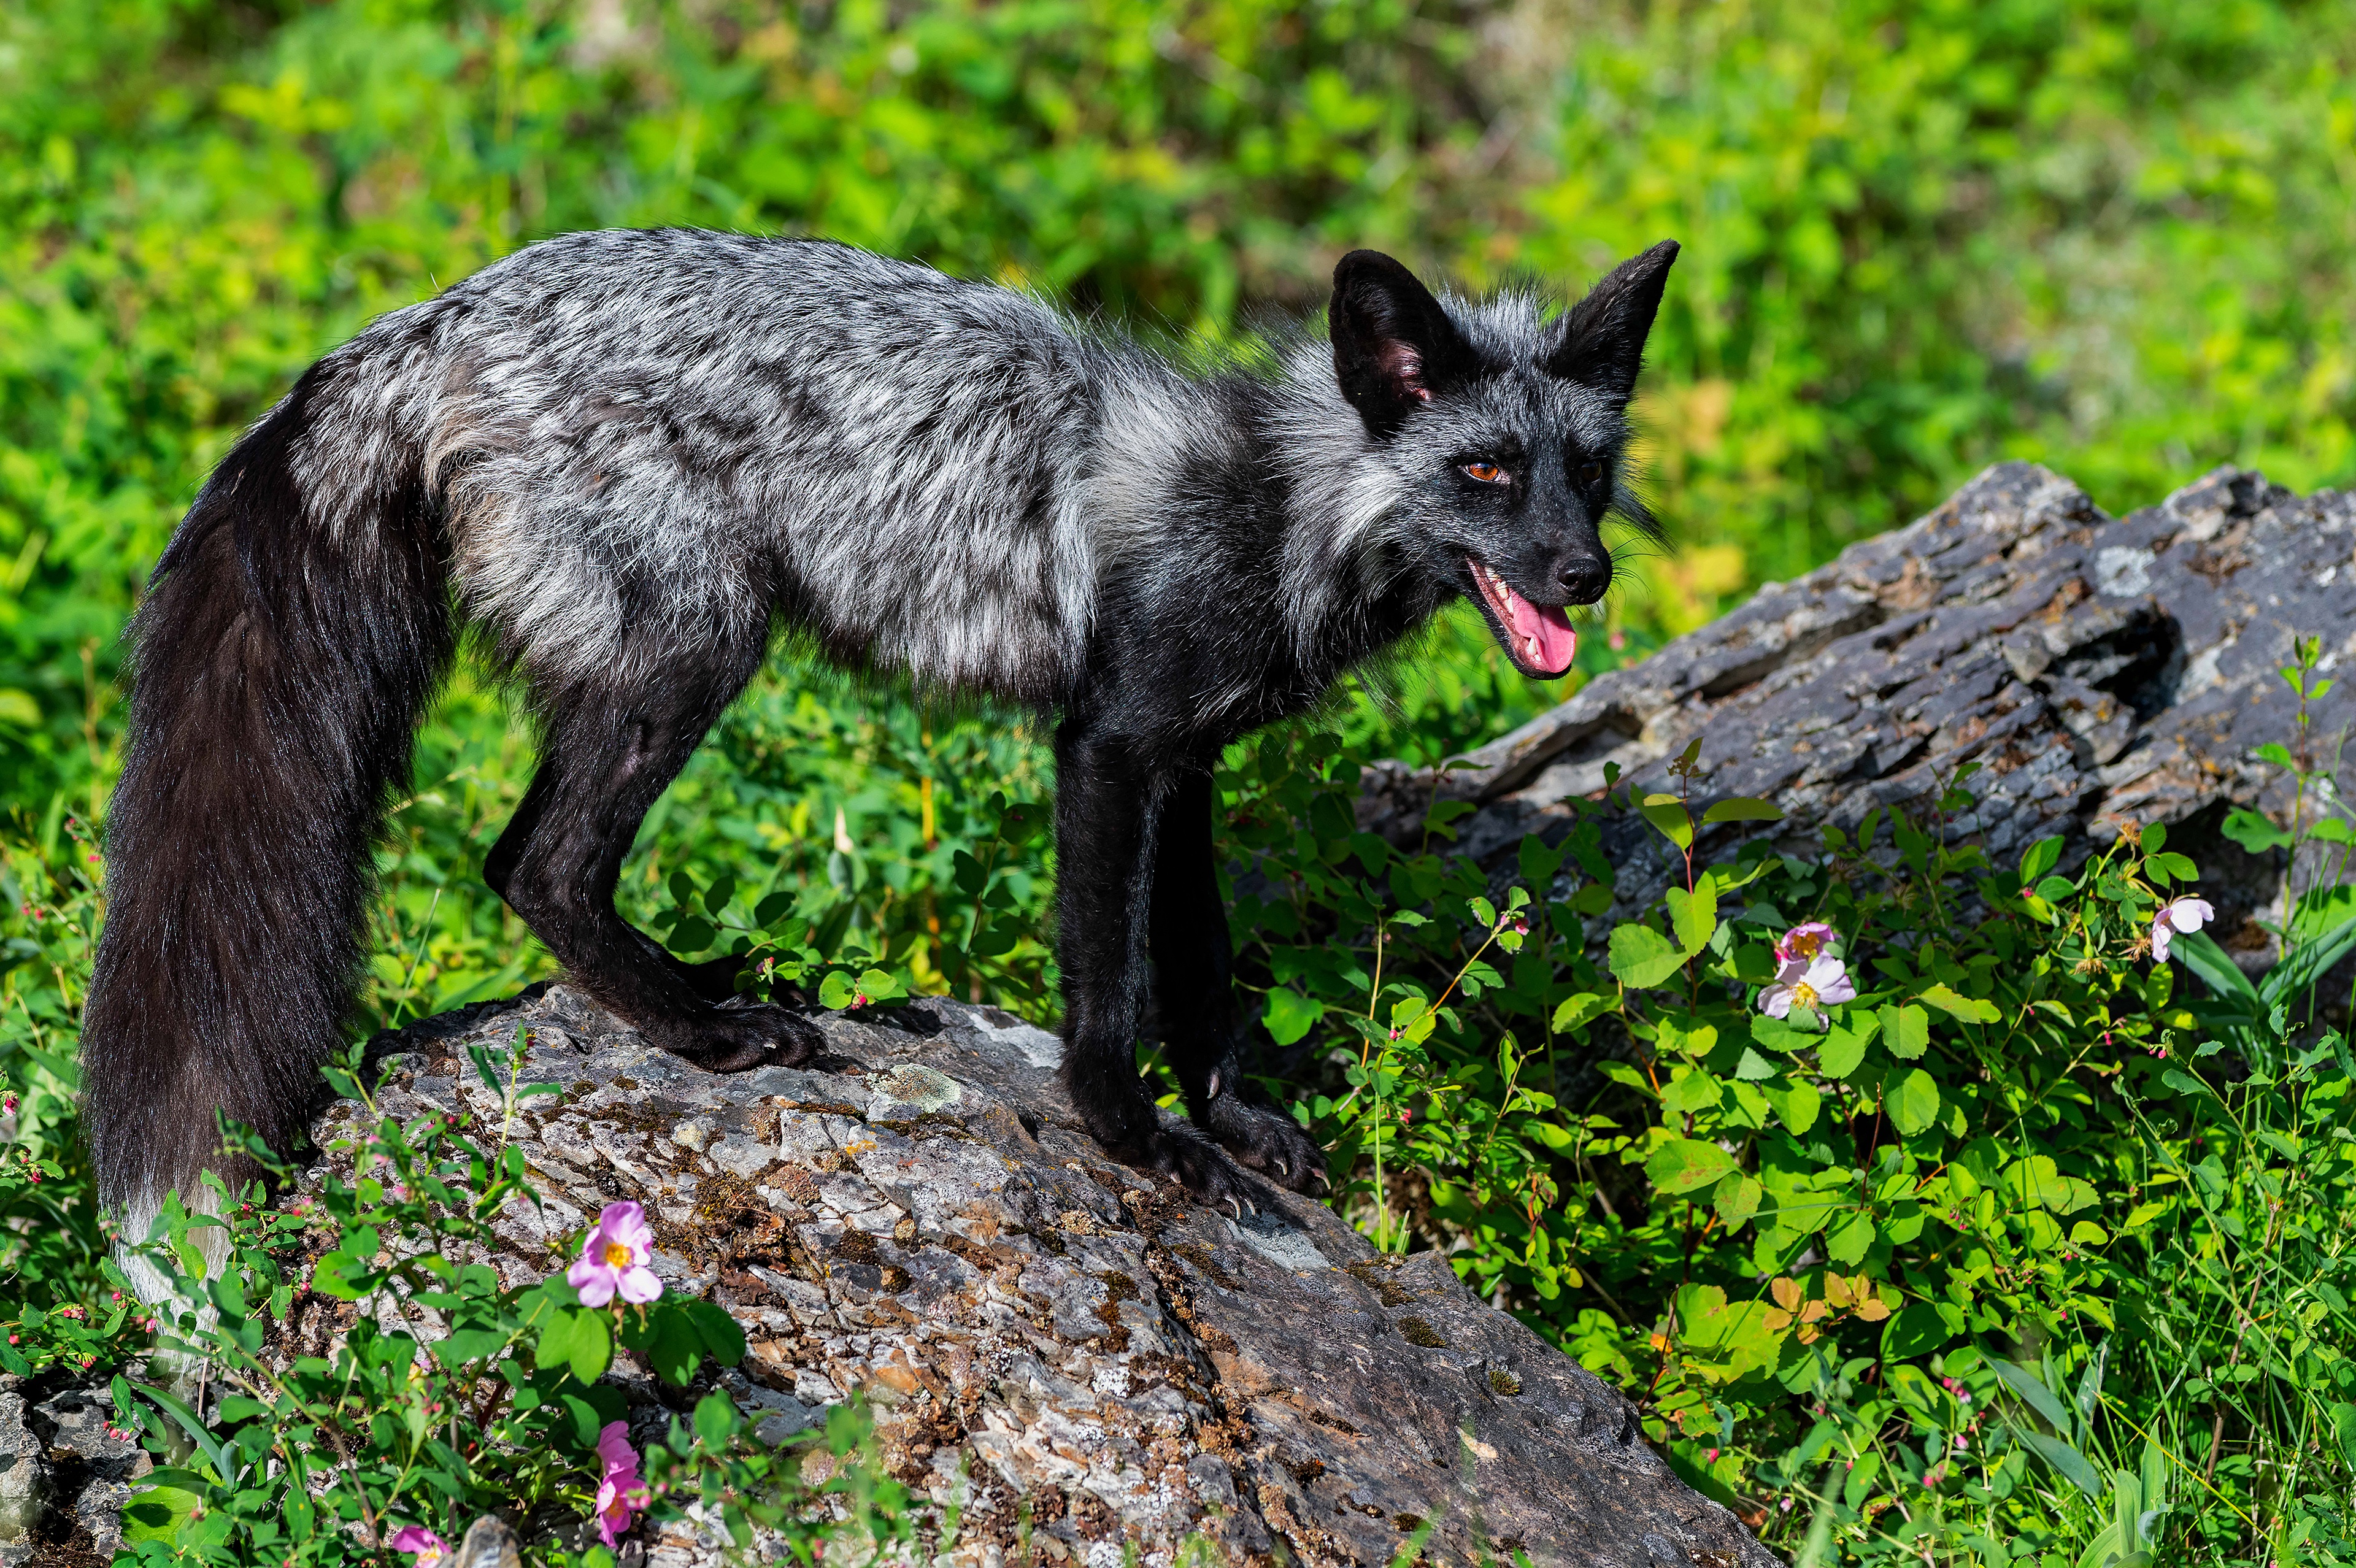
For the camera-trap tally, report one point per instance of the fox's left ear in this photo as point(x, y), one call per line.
point(1394, 347)
point(1600, 341)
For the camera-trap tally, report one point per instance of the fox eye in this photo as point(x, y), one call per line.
point(1486, 473)
point(1591, 473)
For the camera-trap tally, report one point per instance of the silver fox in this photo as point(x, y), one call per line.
point(629, 459)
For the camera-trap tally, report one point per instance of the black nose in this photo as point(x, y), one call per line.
point(1585, 577)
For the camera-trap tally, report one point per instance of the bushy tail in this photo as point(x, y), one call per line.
point(295, 630)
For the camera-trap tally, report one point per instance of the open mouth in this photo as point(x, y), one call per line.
point(1537, 637)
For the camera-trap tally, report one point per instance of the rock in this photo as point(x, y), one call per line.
point(2096, 670)
point(94, 1469)
point(487, 1543)
point(1049, 1339)
point(23, 1478)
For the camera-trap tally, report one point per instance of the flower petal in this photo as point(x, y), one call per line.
point(641, 1284)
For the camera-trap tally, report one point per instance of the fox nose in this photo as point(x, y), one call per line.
point(1585, 577)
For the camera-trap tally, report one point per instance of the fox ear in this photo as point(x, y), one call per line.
point(1394, 347)
point(1600, 341)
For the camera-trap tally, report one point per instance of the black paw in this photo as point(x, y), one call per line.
point(1198, 1165)
point(1269, 1141)
point(740, 1035)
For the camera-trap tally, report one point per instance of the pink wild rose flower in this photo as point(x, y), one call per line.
point(614, 1259)
point(2182, 917)
point(422, 1545)
point(1803, 942)
point(1820, 983)
point(622, 1493)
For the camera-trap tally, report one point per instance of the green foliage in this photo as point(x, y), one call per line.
point(324, 1459)
point(1877, 1234)
point(2110, 237)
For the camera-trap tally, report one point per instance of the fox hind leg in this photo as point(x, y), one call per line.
point(612, 746)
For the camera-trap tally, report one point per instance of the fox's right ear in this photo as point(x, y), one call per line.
point(1600, 341)
point(1394, 346)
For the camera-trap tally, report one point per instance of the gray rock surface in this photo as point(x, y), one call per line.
point(24, 1484)
point(2096, 668)
point(1050, 1338)
point(63, 1479)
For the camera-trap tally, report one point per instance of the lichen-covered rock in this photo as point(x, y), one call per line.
point(1054, 1340)
point(2096, 669)
point(24, 1479)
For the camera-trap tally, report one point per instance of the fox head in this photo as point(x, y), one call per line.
point(1505, 435)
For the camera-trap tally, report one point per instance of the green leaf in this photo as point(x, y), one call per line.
point(460, 1346)
point(1849, 1243)
point(592, 1350)
point(692, 934)
point(1782, 1034)
point(2343, 1427)
point(1683, 1165)
point(1019, 824)
point(2031, 1388)
point(722, 1335)
point(1957, 1006)
point(1289, 1015)
point(1905, 1031)
point(2184, 1082)
point(835, 991)
point(715, 1419)
point(2253, 832)
point(1642, 957)
point(2073, 1465)
point(1842, 1050)
point(1743, 809)
point(1914, 1103)
point(1736, 1200)
point(2040, 858)
point(2219, 974)
point(1582, 1009)
point(1668, 814)
point(157, 1513)
point(1917, 1330)
point(1694, 915)
point(1796, 1100)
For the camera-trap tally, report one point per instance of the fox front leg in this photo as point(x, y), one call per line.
point(1204, 1030)
point(1110, 806)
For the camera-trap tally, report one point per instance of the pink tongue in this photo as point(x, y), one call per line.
point(1558, 644)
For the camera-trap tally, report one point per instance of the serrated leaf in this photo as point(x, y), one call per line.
point(1693, 916)
point(1955, 1005)
point(1905, 1031)
point(2255, 833)
point(1736, 1200)
point(1842, 1050)
point(1851, 1240)
point(1914, 1103)
point(1289, 1015)
point(1682, 1164)
point(1642, 957)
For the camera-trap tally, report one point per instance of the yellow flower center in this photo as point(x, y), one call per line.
point(616, 1255)
point(1803, 995)
point(1806, 945)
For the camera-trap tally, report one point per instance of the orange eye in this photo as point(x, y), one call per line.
point(1487, 473)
